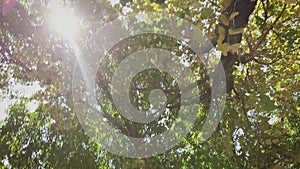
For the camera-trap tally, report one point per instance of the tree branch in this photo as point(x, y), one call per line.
point(250, 56)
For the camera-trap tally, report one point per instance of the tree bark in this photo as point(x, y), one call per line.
point(244, 8)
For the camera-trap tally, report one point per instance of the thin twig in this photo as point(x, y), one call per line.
point(250, 56)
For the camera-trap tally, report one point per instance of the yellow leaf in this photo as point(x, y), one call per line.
point(235, 31)
point(278, 167)
point(226, 3)
point(290, 1)
point(224, 19)
point(268, 142)
point(199, 25)
point(233, 15)
point(221, 30)
point(275, 141)
point(277, 133)
point(196, 4)
point(234, 48)
point(47, 106)
point(224, 48)
point(188, 17)
point(221, 39)
point(285, 131)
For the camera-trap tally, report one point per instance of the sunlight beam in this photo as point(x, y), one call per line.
point(63, 22)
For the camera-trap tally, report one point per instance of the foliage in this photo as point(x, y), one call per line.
point(260, 52)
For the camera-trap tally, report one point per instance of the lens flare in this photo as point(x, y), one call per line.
point(64, 22)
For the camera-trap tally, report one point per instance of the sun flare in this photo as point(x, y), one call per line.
point(64, 22)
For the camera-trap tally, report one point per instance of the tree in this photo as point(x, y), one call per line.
point(258, 43)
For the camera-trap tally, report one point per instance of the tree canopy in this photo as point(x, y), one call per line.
point(256, 42)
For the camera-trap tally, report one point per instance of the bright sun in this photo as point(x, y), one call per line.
point(63, 22)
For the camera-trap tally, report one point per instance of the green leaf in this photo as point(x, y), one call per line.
point(266, 103)
point(206, 13)
point(179, 22)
